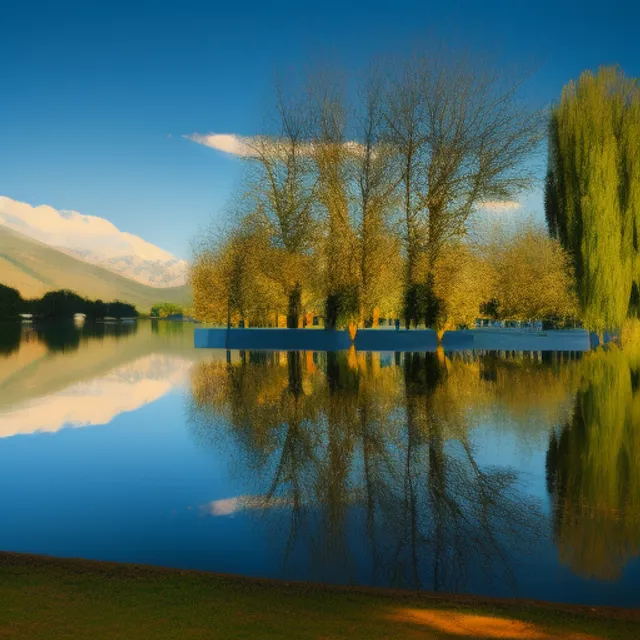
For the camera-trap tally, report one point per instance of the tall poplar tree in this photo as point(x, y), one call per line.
point(375, 201)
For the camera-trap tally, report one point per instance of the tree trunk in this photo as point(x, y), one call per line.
point(295, 307)
point(294, 364)
point(331, 311)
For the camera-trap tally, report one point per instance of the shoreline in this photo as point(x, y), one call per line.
point(391, 340)
point(108, 569)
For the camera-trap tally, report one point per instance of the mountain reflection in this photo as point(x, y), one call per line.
point(99, 400)
point(383, 445)
point(59, 375)
point(593, 469)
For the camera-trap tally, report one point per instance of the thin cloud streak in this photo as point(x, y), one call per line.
point(225, 142)
point(247, 147)
point(500, 206)
point(254, 146)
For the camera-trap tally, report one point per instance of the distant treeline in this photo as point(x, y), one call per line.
point(60, 304)
point(166, 309)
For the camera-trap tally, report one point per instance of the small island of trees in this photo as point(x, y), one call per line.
point(392, 205)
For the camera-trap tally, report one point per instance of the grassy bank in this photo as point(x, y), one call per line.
point(51, 598)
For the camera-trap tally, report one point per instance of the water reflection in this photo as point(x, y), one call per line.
point(56, 375)
point(67, 336)
point(420, 470)
point(593, 469)
point(385, 442)
point(97, 400)
point(9, 337)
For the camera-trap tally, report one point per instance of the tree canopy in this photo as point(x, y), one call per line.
point(356, 203)
point(593, 190)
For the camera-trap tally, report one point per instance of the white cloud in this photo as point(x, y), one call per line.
point(95, 240)
point(227, 142)
point(247, 147)
point(71, 230)
point(500, 205)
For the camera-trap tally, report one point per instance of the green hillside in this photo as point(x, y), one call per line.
point(35, 268)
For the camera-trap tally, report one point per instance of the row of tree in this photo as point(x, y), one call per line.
point(352, 212)
point(356, 209)
point(505, 275)
point(60, 304)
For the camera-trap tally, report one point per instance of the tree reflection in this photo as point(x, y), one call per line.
point(66, 337)
point(456, 514)
point(379, 448)
point(593, 469)
point(10, 334)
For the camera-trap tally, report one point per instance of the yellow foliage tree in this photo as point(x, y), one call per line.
point(463, 280)
point(236, 279)
point(534, 277)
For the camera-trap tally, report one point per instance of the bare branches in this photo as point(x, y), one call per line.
point(376, 176)
point(285, 184)
point(462, 136)
point(359, 200)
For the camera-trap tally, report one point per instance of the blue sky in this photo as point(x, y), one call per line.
point(96, 96)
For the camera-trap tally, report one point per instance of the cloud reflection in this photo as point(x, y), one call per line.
point(100, 400)
point(230, 506)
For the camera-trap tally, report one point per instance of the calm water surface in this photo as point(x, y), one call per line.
point(490, 473)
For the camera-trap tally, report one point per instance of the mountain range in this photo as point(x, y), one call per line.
point(44, 249)
point(33, 268)
point(94, 240)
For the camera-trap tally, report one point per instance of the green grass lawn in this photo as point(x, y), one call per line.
point(74, 599)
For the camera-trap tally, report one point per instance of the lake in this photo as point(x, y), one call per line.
point(493, 473)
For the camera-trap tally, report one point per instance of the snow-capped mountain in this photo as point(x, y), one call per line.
point(95, 240)
point(170, 272)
